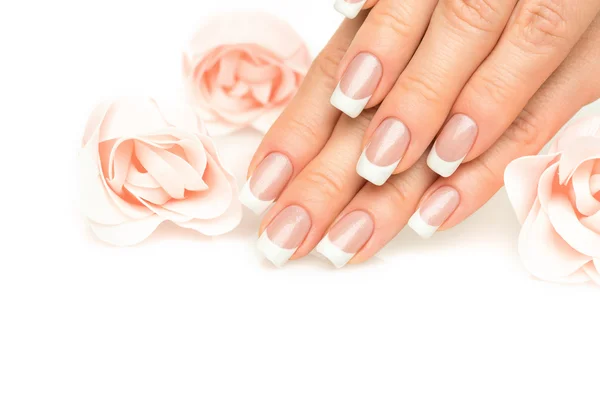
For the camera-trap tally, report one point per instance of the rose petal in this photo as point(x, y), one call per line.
point(153, 195)
point(584, 127)
point(94, 187)
point(94, 121)
point(165, 214)
point(227, 70)
point(592, 222)
point(521, 179)
point(586, 203)
point(118, 166)
point(595, 184)
point(547, 187)
point(262, 92)
point(141, 179)
point(160, 170)
point(592, 269)
point(252, 73)
point(129, 233)
point(240, 89)
point(96, 204)
point(287, 87)
point(274, 34)
point(220, 128)
point(580, 151)
point(182, 117)
point(567, 225)
point(220, 225)
point(544, 253)
point(130, 117)
point(266, 120)
point(209, 203)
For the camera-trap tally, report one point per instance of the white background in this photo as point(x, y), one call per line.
point(185, 317)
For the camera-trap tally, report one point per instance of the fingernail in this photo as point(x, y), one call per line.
point(384, 152)
point(267, 182)
point(284, 235)
point(452, 145)
point(357, 85)
point(349, 8)
point(435, 211)
point(346, 238)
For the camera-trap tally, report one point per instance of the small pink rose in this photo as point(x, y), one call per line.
point(557, 200)
point(242, 69)
point(142, 165)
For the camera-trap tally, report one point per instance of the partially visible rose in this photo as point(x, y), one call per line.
point(557, 200)
point(142, 165)
point(242, 69)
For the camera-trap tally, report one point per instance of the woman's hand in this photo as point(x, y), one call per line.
point(503, 78)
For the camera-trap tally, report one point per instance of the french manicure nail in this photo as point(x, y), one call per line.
point(435, 211)
point(284, 235)
point(452, 145)
point(346, 238)
point(384, 152)
point(267, 182)
point(349, 8)
point(357, 85)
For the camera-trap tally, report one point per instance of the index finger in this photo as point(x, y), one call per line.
point(302, 130)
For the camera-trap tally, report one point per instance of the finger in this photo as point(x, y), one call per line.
point(461, 35)
point(312, 200)
point(351, 8)
point(380, 51)
point(574, 85)
point(302, 130)
point(536, 41)
point(388, 206)
point(391, 205)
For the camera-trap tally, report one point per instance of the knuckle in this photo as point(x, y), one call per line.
point(480, 15)
point(494, 88)
point(393, 17)
point(322, 185)
point(301, 130)
point(525, 131)
point(398, 192)
point(424, 85)
point(541, 24)
point(490, 174)
point(326, 65)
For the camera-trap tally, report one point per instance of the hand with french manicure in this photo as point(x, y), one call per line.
point(410, 115)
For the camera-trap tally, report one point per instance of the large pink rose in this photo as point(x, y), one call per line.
point(141, 165)
point(242, 69)
point(557, 199)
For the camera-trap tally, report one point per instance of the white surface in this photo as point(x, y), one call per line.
point(442, 167)
point(185, 317)
point(374, 173)
point(349, 106)
point(337, 256)
point(349, 10)
point(250, 201)
point(421, 228)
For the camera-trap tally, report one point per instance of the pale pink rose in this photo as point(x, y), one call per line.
point(242, 69)
point(557, 200)
point(142, 165)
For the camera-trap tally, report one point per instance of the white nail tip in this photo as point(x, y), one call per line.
point(277, 255)
point(253, 203)
point(421, 227)
point(442, 167)
point(338, 257)
point(349, 10)
point(348, 105)
point(373, 173)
